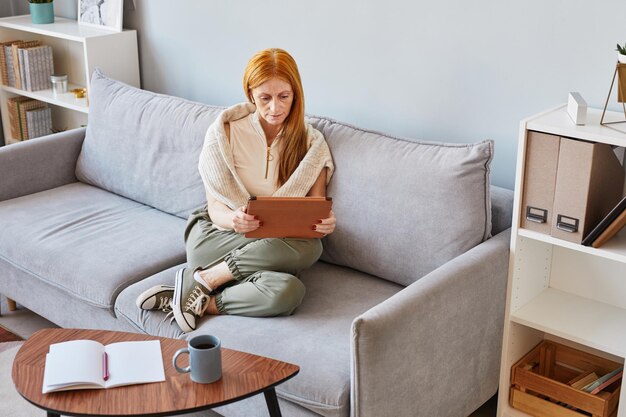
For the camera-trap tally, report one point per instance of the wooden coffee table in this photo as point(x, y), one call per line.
point(243, 375)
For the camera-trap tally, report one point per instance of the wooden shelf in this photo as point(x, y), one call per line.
point(67, 100)
point(61, 28)
point(581, 320)
point(614, 249)
point(558, 122)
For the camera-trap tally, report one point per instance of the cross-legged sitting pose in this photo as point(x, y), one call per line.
point(262, 147)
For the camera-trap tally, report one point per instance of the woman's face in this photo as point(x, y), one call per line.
point(273, 100)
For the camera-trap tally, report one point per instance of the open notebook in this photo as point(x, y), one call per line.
point(87, 364)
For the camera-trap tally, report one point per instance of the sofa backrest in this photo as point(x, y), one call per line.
point(404, 207)
point(145, 146)
point(501, 209)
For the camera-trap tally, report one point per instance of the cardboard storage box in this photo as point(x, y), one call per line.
point(542, 156)
point(541, 383)
point(589, 183)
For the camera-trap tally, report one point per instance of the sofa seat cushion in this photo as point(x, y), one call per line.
point(419, 204)
point(88, 242)
point(145, 146)
point(316, 337)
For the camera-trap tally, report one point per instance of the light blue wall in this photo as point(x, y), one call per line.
point(448, 70)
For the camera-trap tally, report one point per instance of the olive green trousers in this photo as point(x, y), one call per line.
point(264, 269)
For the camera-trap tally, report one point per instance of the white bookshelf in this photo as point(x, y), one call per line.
point(559, 290)
point(77, 51)
point(614, 249)
point(582, 320)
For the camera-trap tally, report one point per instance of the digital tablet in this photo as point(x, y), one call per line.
point(288, 216)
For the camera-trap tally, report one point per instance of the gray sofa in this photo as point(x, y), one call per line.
point(403, 313)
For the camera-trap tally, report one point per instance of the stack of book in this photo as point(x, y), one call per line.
point(29, 118)
point(590, 382)
point(26, 65)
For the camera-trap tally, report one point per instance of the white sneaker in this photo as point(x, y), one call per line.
point(156, 298)
point(190, 300)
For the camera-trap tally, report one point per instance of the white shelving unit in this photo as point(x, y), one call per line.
point(558, 290)
point(77, 51)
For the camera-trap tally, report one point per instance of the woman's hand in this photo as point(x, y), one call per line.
point(244, 223)
point(326, 226)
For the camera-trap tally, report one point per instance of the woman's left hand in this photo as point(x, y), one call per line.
point(326, 226)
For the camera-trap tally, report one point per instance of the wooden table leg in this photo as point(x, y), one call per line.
point(272, 402)
point(12, 305)
point(51, 414)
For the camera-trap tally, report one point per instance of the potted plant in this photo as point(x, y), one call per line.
point(621, 53)
point(41, 11)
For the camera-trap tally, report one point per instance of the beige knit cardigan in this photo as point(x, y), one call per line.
point(217, 167)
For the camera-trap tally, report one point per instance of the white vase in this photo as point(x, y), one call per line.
point(621, 58)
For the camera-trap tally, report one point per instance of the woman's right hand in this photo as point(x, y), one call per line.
point(243, 222)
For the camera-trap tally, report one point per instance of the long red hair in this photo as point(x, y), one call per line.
point(275, 62)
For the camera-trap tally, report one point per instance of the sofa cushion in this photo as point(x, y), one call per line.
point(404, 207)
point(88, 242)
point(145, 146)
point(316, 337)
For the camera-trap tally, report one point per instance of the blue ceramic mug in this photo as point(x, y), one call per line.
point(205, 359)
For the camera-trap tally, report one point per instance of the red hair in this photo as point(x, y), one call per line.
point(275, 62)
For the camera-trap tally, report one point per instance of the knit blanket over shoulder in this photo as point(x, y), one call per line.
point(217, 166)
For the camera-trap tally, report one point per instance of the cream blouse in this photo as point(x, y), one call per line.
point(255, 162)
point(217, 167)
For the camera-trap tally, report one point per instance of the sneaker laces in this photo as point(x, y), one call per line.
point(165, 305)
point(197, 302)
point(169, 315)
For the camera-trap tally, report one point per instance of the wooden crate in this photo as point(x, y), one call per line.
point(540, 383)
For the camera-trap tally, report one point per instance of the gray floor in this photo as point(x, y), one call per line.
point(24, 323)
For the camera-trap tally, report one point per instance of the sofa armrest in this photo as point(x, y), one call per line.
point(433, 349)
point(39, 164)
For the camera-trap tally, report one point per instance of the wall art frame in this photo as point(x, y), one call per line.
point(105, 14)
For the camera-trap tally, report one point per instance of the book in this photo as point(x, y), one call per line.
point(39, 122)
point(13, 105)
point(584, 380)
point(13, 70)
point(8, 57)
point(34, 56)
point(23, 73)
point(17, 70)
point(16, 64)
point(32, 122)
point(604, 381)
point(41, 74)
point(87, 364)
point(22, 108)
point(3, 62)
point(612, 229)
point(605, 222)
point(41, 67)
point(48, 66)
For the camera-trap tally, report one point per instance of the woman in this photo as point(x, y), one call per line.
point(262, 148)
